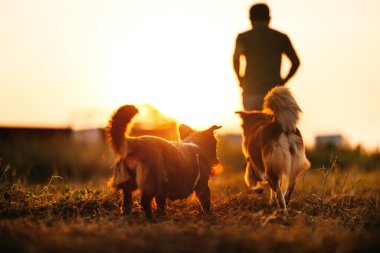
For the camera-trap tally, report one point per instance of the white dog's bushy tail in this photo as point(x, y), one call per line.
point(284, 107)
point(117, 125)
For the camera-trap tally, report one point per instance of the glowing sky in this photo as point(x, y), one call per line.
point(73, 62)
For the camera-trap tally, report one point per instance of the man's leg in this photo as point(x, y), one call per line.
point(253, 102)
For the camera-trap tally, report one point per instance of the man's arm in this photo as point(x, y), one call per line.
point(236, 59)
point(294, 60)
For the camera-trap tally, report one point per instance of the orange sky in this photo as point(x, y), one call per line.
point(73, 62)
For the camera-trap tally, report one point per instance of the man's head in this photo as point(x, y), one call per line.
point(259, 13)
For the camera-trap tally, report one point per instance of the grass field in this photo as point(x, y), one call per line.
point(331, 211)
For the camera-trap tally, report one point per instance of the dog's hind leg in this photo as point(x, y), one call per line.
point(299, 163)
point(289, 190)
point(281, 199)
point(127, 201)
point(276, 186)
point(274, 177)
point(127, 188)
point(270, 194)
point(203, 194)
point(277, 161)
point(161, 204)
point(251, 179)
point(146, 203)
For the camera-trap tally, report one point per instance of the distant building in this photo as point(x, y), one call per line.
point(325, 140)
point(231, 139)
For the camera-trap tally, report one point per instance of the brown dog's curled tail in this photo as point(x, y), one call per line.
point(117, 125)
point(284, 107)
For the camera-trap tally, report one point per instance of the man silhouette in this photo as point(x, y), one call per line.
point(262, 48)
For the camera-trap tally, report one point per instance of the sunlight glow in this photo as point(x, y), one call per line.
point(180, 75)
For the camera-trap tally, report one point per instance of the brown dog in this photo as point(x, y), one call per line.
point(273, 144)
point(159, 168)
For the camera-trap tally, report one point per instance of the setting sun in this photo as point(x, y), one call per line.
point(175, 67)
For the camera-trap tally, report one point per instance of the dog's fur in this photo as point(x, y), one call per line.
point(159, 168)
point(273, 144)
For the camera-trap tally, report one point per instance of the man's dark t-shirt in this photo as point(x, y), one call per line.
point(263, 48)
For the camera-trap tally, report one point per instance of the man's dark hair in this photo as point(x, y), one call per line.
point(259, 12)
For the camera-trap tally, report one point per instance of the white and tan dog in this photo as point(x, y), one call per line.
point(273, 144)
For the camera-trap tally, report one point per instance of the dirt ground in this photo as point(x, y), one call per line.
point(331, 211)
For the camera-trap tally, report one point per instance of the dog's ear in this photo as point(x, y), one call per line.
point(184, 131)
point(213, 128)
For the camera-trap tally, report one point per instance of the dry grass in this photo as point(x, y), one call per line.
point(332, 211)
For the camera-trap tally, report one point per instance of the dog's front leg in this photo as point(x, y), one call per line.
point(127, 199)
point(203, 194)
point(127, 202)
